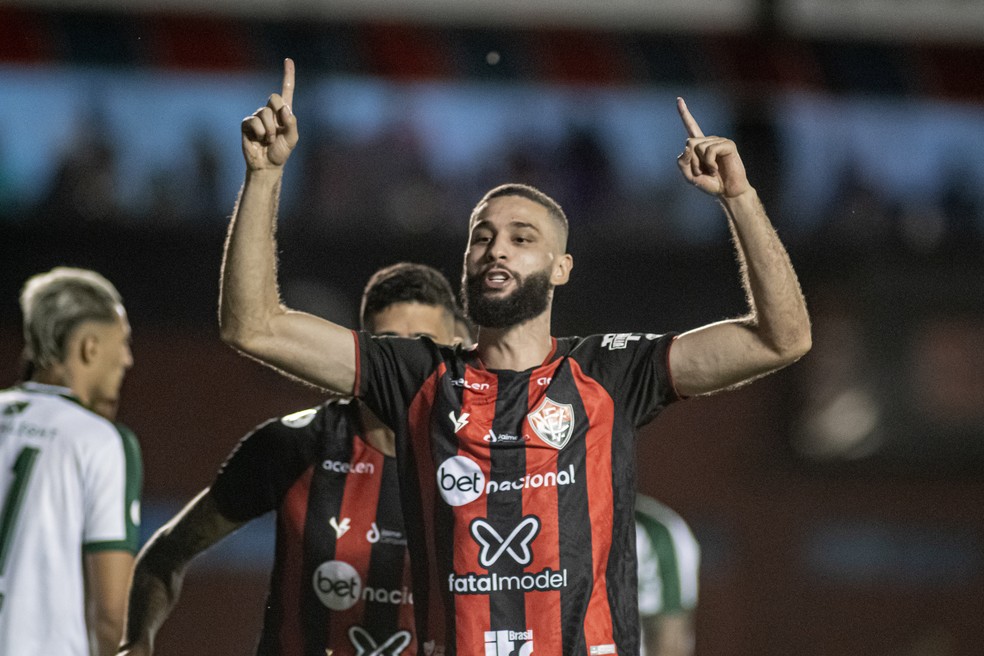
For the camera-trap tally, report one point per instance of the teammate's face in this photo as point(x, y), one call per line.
point(110, 358)
point(414, 320)
point(514, 260)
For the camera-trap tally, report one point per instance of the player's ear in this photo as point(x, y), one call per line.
point(562, 269)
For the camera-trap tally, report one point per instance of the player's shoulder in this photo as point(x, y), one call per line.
point(52, 410)
point(612, 347)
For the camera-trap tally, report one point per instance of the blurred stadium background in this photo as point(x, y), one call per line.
point(839, 503)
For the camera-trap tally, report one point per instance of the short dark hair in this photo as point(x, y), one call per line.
point(405, 282)
point(530, 193)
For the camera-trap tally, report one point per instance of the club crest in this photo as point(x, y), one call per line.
point(553, 422)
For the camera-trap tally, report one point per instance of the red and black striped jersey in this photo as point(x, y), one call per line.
point(341, 576)
point(518, 488)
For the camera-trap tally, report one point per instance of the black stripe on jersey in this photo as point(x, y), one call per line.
point(505, 507)
point(443, 514)
point(624, 600)
point(573, 514)
point(382, 618)
point(324, 502)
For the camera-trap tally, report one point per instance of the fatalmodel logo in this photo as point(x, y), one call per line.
point(516, 544)
point(365, 645)
point(509, 643)
point(460, 480)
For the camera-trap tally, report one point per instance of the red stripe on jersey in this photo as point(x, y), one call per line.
point(290, 526)
point(473, 611)
point(359, 502)
point(418, 423)
point(542, 459)
point(598, 471)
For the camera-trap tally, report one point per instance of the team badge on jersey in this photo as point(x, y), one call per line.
point(553, 422)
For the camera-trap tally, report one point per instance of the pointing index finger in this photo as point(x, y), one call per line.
point(287, 88)
point(693, 130)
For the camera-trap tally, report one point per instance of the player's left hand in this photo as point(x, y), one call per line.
point(711, 164)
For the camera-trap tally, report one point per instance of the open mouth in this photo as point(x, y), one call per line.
point(496, 278)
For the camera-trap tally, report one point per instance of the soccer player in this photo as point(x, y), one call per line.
point(340, 580)
point(69, 478)
point(516, 457)
point(668, 563)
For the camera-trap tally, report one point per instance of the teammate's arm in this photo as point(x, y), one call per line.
point(251, 317)
point(668, 634)
point(106, 577)
point(776, 330)
point(160, 566)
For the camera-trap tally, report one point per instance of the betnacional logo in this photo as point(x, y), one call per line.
point(509, 643)
point(339, 587)
point(337, 584)
point(553, 422)
point(460, 480)
point(365, 645)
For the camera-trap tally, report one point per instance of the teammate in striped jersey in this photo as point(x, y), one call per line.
point(69, 478)
point(668, 562)
point(516, 458)
point(340, 580)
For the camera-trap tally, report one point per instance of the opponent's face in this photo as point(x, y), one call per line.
point(514, 260)
point(414, 320)
point(109, 358)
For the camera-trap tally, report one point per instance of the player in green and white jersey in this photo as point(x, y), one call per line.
point(69, 477)
point(668, 563)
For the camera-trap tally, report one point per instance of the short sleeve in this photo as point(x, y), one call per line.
point(113, 480)
point(391, 372)
point(257, 474)
point(634, 368)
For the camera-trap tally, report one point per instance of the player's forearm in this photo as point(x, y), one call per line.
point(248, 296)
point(154, 591)
point(778, 317)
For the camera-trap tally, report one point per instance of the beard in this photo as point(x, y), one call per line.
point(530, 299)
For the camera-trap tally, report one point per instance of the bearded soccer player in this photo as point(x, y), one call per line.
point(515, 458)
point(69, 477)
point(340, 580)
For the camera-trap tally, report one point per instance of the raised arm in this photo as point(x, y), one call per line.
point(251, 317)
point(160, 567)
point(776, 330)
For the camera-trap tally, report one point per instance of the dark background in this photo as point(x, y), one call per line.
point(838, 503)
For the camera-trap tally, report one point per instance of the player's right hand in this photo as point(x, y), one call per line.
point(270, 134)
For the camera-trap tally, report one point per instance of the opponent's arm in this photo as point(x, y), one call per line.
point(106, 577)
point(668, 634)
point(160, 566)
point(251, 317)
point(776, 330)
